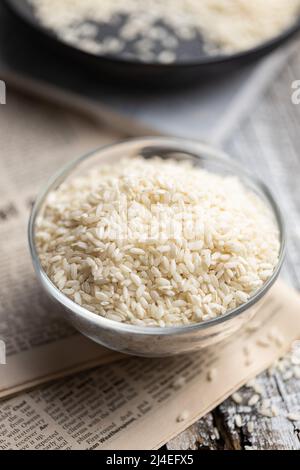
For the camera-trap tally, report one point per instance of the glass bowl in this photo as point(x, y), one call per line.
point(155, 341)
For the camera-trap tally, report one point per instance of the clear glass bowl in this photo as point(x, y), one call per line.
point(155, 341)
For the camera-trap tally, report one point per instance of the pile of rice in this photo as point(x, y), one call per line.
point(156, 242)
point(226, 25)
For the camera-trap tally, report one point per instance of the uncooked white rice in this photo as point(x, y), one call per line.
point(250, 427)
point(294, 416)
point(211, 375)
point(156, 243)
point(216, 434)
point(227, 25)
point(183, 416)
point(179, 382)
point(238, 420)
point(253, 400)
point(237, 398)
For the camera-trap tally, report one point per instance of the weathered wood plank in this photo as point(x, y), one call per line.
point(201, 435)
point(268, 433)
point(268, 143)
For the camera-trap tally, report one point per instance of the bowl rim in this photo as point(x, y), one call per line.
point(196, 149)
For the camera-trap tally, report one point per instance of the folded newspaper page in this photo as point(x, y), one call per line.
point(36, 140)
point(142, 403)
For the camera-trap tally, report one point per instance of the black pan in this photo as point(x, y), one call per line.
point(192, 63)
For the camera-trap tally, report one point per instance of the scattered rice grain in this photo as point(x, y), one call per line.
point(183, 416)
point(238, 421)
point(253, 400)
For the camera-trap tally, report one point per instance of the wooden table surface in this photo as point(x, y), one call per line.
point(269, 144)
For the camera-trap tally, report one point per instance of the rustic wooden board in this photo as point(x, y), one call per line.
point(269, 144)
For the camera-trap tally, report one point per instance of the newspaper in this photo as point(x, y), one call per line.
point(36, 139)
point(141, 403)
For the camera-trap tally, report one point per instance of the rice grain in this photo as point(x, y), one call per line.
point(111, 243)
